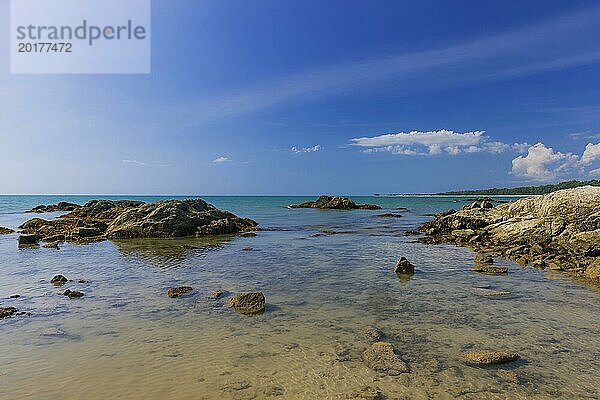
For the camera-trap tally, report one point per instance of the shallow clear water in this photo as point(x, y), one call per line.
point(126, 339)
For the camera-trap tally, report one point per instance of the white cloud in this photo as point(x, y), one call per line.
point(222, 159)
point(312, 149)
point(591, 153)
point(595, 173)
point(435, 143)
point(135, 162)
point(544, 164)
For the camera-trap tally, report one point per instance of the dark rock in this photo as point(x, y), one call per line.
point(73, 294)
point(6, 312)
point(61, 206)
point(490, 357)
point(337, 203)
point(15, 296)
point(490, 270)
point(389, 215)
point(328, 232)
point(51, 245)
point(382, 357)
point(247, 249)
point(483, 258)
point(82, 281)
point(178, 291)
point(402, 209)
point(403, 266)
point(58, 280)
point(5, 231)
point(248, 303)
point(216, 294)
point(248, 234)
point(28, 240)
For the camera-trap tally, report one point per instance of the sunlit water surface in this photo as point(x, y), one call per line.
point(127, 340)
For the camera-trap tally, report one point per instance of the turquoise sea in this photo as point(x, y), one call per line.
point(125, 339)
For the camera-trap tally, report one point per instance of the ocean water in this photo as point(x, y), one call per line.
point(127, 340)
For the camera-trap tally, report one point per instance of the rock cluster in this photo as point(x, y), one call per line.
point(61, 206)
point(558, 231)
point(107, 219)
point(335, 202)
point(248, 303)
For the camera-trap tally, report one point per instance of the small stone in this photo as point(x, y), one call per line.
point(483, 258)
point(15, 296)
point(490, 270)
point(216, 294)
point(389, 215)
point(178, 291)
point(403, 266)
point(247, 249)
point(6, 312)
point(82, 281)
point(59, 280)
point(490, 357)
point(248, 303)
point(73, 294)
point(248, 234)
point(382, 357)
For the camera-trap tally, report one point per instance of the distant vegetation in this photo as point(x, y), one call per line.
point(526, 190)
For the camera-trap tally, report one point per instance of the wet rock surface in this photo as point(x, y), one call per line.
point(6, 231)
point(175, 292)
point(403, 266)
point(61, 206)
point(26, 240)
point(73, 294)
point(483, 258)
point(337, 203)
point(99, 220)
point(382, 357)
point(248, 303)
point(58, 280)
point(490, 269)
point(6, 312)
point(490, 357)
point(560, 230)
point(389, 215)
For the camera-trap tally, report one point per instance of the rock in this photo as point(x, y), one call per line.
point(58, 280)
point(248, 234)
point(382, 357)
point(490, 270)
point(389, 215)
point(82, 281)
point(73, 294)
point(28, 240)
point(178, 291)
point(490, 357)
point(14, 296)
point(338, 203)
point(216, 294)
point(328, 232)
point(593, 271)
point(6, 312)
point(560, 230)
point(368, 393)
point(101, 219)
point(373, 334)
point(51, 245)
point(5, 231)
point(248, 303)
point(247, 249)
point(61, 206)
point(482, 203)
point(401, 209)
point(403, 266)
point(490, 292)
point(483, 258)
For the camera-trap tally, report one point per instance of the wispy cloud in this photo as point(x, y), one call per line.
point(312, 149)
point(417, 143)
point(503, 56)
point(135, 162)
point(221, 160)
point(542, 163)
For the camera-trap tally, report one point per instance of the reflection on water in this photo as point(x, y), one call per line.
point(126, 339)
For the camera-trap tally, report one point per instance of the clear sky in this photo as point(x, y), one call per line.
point(311, 97)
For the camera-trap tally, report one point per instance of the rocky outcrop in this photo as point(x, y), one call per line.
point(337, 203)
point(58, 280)
point(382, 357)
point(559, 231)
point(178, 291)
point(61, 206)
point(5, 231)
point(107, 219)
point(248, 303)
point(403, 266)
point(490, 357)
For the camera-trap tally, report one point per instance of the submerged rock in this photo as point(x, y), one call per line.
point(73, 294)
point(373, 334)
point(560, 230)
point(6, 312)
point(178, 291)
point(403, 266)
point(335, 202)
point(483, 258)
point(58, 280)
point(248, 234)
point(216, 294)
point(389, 215)
point(382, 357)
point(101, 219)
point(5, 231)
point(490, 292)
point(28, 240)
point(248, 303)
point(248, 249)
point(490, 270)
point(490, 357)
point(61, 206)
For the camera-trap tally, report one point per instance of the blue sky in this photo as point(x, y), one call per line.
point(338, 97)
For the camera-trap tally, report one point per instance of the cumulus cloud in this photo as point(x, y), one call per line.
point(222, 159)
point(312, 149)
point(435, 143)
point(544, 164)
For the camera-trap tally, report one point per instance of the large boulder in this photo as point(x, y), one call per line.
point(558, 229)
point(335, 202)
point(101, 219)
